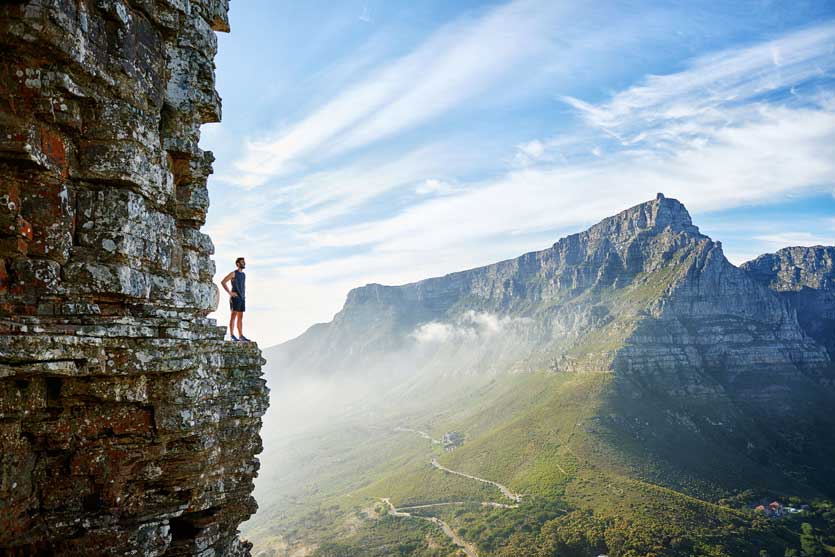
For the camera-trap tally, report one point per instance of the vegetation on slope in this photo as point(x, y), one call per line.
point(556, 439)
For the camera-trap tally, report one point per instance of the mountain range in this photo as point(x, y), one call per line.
point(641, 292)
point(633, 354)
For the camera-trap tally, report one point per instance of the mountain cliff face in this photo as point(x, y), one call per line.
point(640, 293)
point(659, 378)
point(805, 277)
point(665, 366)
point(127, 425)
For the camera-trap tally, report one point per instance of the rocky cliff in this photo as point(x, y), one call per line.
point(127, 425)
point(805, 277)
point(642, 292)
point(715, 375)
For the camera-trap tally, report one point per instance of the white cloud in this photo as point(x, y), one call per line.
point(534, 149)
point(471, 326)
point(530, 153)
point(437, 332)
point(324, 195)
point(434, 186)
point(785, 239)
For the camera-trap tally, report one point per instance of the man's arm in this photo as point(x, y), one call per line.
point(226, 279)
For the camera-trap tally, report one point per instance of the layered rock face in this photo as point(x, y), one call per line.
point(805, 277)
point(714, 375)
point(127, 425)
point(642, 292)
point(698, 353)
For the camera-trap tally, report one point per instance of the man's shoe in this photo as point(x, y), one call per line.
point(243, 338)
point(234, 338)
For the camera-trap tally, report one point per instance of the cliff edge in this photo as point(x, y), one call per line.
point(127, 425)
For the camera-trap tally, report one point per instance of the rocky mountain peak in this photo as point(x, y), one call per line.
point(640, 292)
point(646, 219)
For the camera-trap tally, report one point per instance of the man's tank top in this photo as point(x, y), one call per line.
point(239, 284)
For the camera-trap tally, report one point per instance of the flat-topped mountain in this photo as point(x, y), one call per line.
point(628, 379)
point(642, 295)
point(642, 292)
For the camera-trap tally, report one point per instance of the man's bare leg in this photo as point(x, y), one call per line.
point(232, 323)
point(240, 316)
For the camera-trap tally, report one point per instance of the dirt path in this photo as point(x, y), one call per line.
point(468, 548)
point(413, 507)
point(505, 491)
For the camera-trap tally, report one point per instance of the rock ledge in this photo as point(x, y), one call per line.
point(127, 425)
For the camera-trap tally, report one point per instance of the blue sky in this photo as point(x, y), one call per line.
point(392, 141)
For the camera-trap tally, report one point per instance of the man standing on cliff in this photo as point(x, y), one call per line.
point(237, 298)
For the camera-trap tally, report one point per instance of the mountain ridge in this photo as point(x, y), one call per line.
point(664, 392)
point(592, 301)
point(670, 213)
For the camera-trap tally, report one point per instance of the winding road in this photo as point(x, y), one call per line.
point(468, 548)
point(505, 491)
point(517, 497)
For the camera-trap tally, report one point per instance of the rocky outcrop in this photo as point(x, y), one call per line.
point(805, 277)
point(127, 425)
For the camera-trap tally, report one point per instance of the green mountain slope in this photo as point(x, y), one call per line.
point(559, 440)
point(639, 391)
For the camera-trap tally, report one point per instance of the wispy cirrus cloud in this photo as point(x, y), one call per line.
point(789, 238)
point(448, 68)
point(729, 78)
point(328, 194)
point(780, 151)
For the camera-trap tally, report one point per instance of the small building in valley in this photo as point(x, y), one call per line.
point(452, 439)
point(775, 509)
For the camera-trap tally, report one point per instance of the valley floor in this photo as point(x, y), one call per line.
point(541, 472)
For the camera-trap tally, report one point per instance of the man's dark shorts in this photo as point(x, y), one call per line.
point(236, 303)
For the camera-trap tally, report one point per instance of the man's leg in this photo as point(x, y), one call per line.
point(240, 323)
point(232, 323)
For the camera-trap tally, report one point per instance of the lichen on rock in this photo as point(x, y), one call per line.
point(127, 425)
